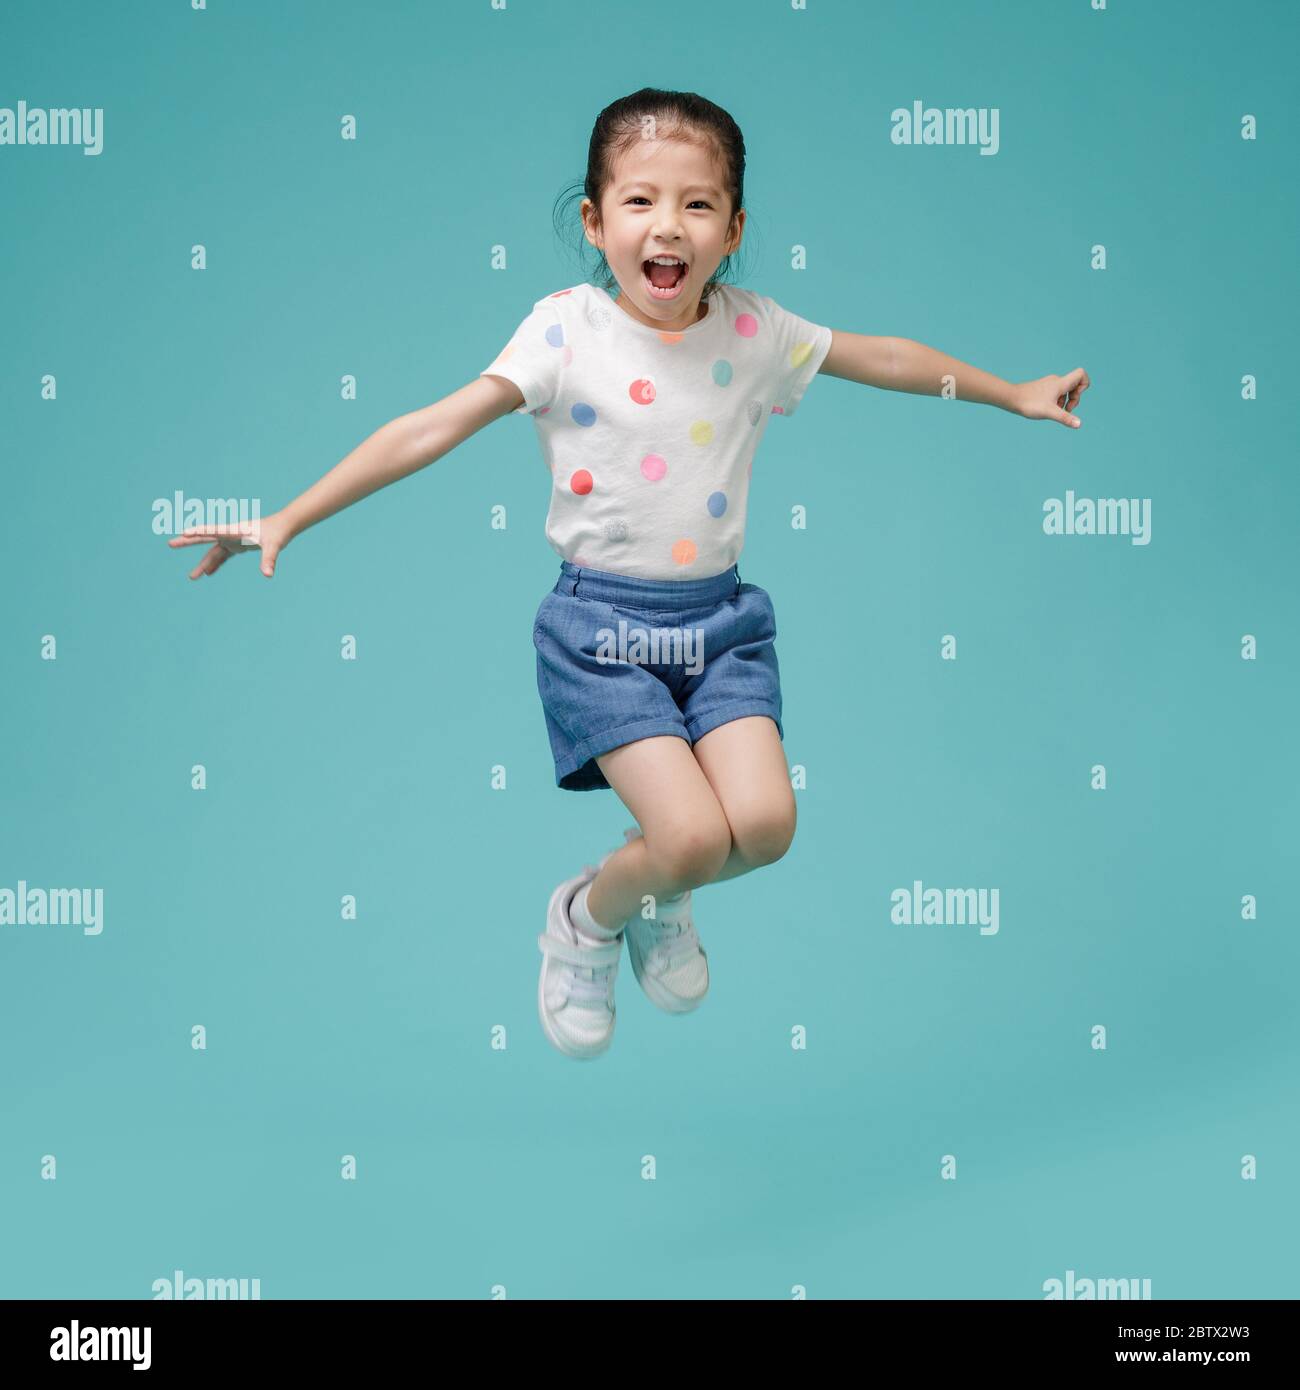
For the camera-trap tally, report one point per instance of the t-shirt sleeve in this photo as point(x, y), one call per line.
point(534, 357)
point(799, 349)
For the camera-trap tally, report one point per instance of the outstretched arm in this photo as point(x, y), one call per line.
point(401, 447)
point(899, 364)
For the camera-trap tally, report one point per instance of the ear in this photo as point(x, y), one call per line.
point(590, 229)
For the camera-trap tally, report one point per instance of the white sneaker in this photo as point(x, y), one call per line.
point(668, 961)
point(575, 991)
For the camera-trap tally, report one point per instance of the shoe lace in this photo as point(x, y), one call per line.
point(592, 987)
point(673, 941)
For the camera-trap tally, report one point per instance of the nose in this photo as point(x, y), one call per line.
point(667, 227)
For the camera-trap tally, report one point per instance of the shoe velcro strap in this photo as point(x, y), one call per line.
point(587, 957)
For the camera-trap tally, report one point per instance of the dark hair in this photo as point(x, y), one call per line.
point(676, 115)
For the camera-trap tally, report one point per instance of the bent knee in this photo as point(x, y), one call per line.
point(690, 855)
point(763, 837)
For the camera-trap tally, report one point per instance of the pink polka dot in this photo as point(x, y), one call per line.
point(581, 482)
point(642, 390)
point(684, 552)
point(653, 467)
point(746, 325)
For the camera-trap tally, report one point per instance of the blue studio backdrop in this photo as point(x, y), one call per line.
point(304, 219)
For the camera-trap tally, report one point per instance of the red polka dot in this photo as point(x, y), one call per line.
point(642, 390)
point(581, 482)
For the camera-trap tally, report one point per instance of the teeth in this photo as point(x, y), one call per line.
point(666, 260)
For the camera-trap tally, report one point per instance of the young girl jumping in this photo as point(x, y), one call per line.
point(656, 665)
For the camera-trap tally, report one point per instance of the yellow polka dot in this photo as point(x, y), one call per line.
point(701, 432)
point(684, 552)
point(800, 353)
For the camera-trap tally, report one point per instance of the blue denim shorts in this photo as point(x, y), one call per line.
point(621, 659)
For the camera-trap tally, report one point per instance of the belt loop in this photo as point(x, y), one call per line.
point(738, 585)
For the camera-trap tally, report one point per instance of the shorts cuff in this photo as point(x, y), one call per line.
point(609, 739)
point(700, 724)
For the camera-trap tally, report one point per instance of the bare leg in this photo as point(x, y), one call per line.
point(744, 762)
point(685, 838)
point(736, 772)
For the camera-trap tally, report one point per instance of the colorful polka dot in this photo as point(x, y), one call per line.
point(746, 325)
point(717, 503)
point(684, 552)
point(722, 372)
point(583, 414)
point(555, 335)
point(800, 353)
point(642, 391)
point(653, 467)
point(701, 432)
point(581, 482)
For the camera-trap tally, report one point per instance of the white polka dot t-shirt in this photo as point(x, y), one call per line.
point(650, 436)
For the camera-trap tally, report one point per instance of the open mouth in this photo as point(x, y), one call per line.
point(664, 281)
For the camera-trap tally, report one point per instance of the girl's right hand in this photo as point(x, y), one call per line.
point(269, 534)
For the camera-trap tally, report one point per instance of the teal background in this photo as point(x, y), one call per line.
point(776, 1168)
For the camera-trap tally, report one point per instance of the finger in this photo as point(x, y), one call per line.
point(210, 563)
point(208, 533)
point(1071, 420)
point(269, 554)
point(1071, 379)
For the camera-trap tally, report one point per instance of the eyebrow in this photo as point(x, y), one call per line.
point(694, 188)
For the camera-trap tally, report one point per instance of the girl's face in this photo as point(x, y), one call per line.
point(665, 199)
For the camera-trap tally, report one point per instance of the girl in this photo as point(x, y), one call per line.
point(656, 665)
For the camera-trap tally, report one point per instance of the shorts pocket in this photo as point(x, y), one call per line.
point(757, 605)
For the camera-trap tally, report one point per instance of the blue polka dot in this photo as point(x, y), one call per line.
point(717, 503)
point(722, 372)
point(555, 335)
point(583, 414)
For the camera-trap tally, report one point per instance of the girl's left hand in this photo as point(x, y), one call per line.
point(1052, 397)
